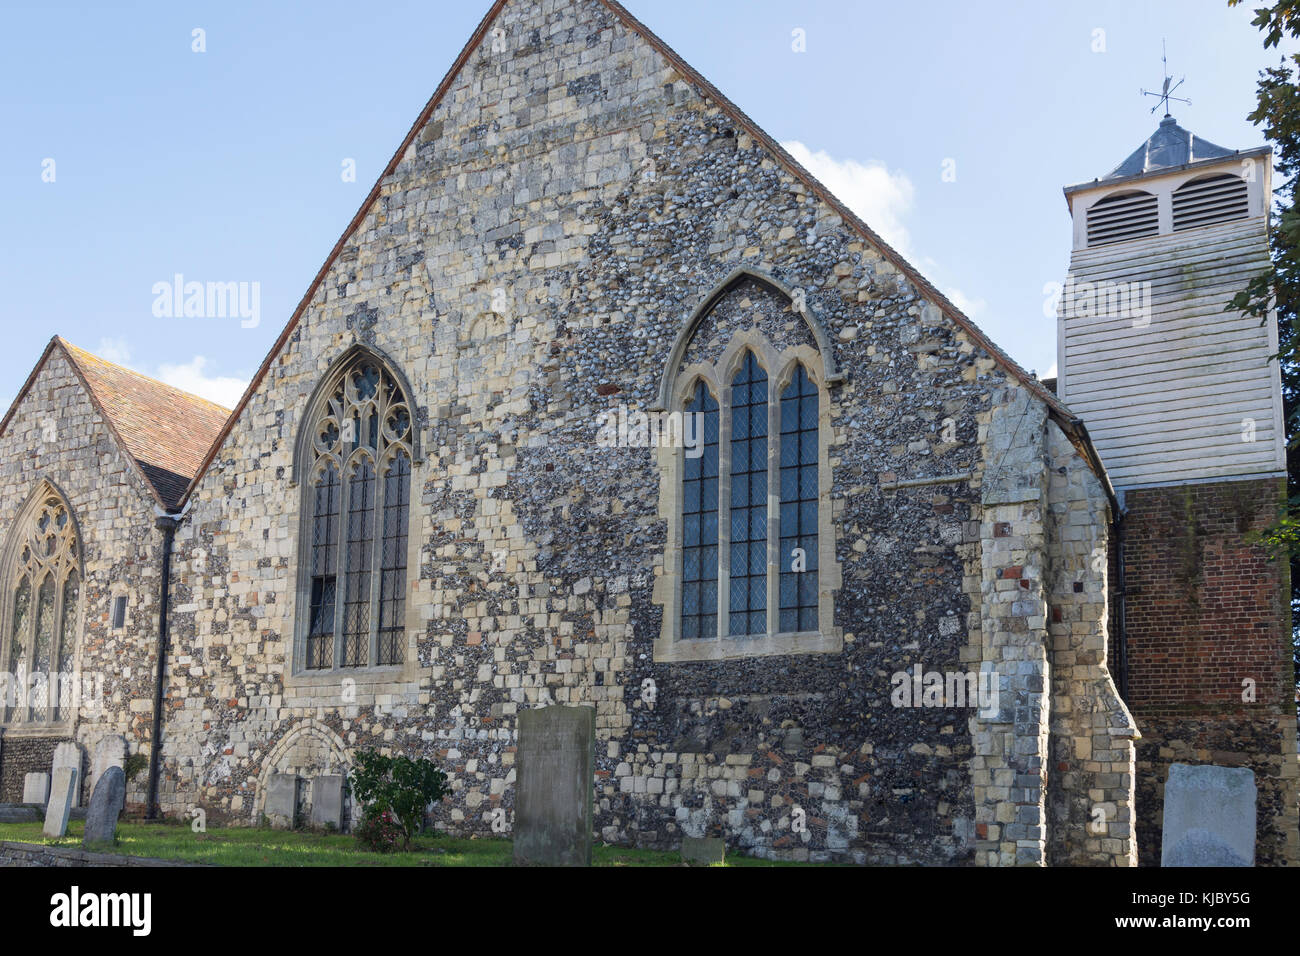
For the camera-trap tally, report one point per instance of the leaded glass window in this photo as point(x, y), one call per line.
point(768, 483)
point(700, 524)
point(42, 612)
point(799, 501)
point(392, 571)
point(324, 569)
point(358, 500)
point(748, 500)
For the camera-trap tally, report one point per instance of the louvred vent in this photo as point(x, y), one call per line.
point(1130, 215)
point(1205, 201)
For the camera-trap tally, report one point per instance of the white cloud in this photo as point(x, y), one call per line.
point(883, 200)
point(974, 308)
point(224, 390)
point(115, 351)
point(880, 198)
point(1051, 372)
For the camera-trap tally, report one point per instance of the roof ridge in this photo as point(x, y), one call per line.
point(148, 378)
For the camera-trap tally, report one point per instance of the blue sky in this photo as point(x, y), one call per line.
point(226, 165)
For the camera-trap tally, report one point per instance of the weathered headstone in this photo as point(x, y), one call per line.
point(1209, 816)
point(703, 850)
point(110, 751)
point(36, 788)
point(68, 754)
point(327, 801)
point(281, 806)
point(106, 803)
point(62, 793)
point(554, 784)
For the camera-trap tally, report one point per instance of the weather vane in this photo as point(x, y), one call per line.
point(1166, 90)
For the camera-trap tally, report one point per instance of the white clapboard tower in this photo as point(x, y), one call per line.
point(1172, 388)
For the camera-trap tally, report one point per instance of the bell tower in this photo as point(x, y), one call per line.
point(1183, 401)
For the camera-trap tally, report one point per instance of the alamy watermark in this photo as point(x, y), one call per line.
point(1099, 300)
point(624, 428)
point(38, 693)
point(208, 300)
point(922, 688)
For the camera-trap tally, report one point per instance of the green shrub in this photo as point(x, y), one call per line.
point(133, 764)
point(397, 786)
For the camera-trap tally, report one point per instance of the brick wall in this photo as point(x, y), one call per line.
point(1208, 611)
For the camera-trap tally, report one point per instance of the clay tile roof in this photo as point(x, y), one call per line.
point(168, 432)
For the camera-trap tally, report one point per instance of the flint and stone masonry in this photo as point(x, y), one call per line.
point(579, 221)
point(529, 263)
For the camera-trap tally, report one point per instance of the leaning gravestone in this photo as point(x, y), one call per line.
point(281, 806)
point(36, 788)
point(327, 801)
point(68, 754)
point(554, 784)
point(62, 795)
point(105, 805)
point(1209, 816)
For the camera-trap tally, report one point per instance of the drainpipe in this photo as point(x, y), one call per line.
point(166, 523)
point(1121, 648)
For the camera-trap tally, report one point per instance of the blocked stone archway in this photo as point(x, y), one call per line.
point(310, 749)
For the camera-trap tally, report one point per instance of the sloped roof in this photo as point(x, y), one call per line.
point(165, 431)
point(1064, 417)
point(1170, 145)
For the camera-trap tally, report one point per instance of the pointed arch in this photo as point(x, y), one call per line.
point(354, 453)
point(303, 458)
point(41, 571)
point(677, 354)
point(749, 563)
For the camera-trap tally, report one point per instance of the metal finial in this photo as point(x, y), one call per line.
point(1165, 90)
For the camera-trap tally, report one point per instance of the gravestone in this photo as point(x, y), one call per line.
point(281, 806)
point(68, 754)
point(110, 751)
point(703, 850)
point(106, 803)
point(36, 788)
point(1209, 816)
point(554, 784)
point(327, 801)
point(62, 794)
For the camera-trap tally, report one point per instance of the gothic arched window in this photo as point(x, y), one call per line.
point(357, 496)
point(41, 605)
point(750, 564)
point(749, 559)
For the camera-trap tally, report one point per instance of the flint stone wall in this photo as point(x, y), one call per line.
point(535, 553)
point(56, 435)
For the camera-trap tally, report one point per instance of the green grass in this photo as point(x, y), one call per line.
point(247, 846)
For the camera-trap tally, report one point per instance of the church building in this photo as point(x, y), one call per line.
point(602, 399)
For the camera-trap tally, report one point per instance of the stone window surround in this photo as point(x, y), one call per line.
point(44, 490)
point(780, 368)
point(348, 686)
point(119, 591)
